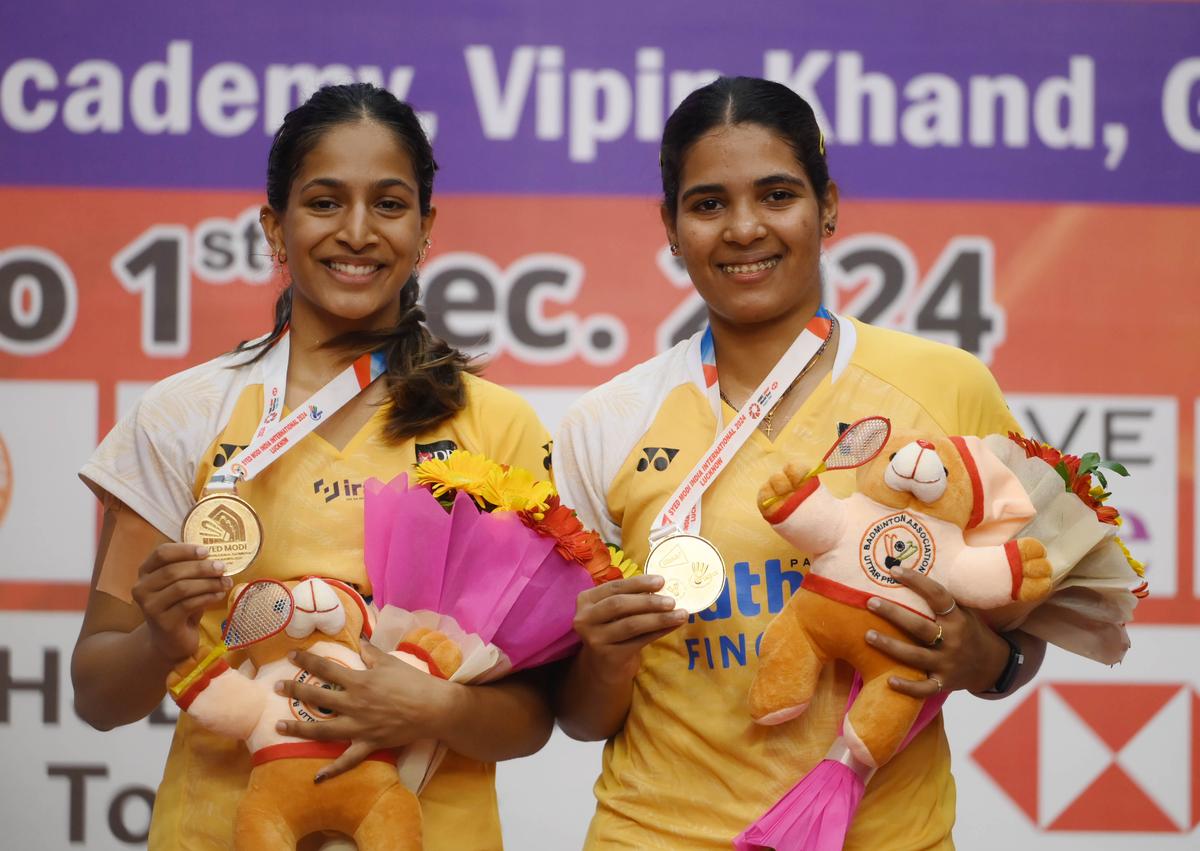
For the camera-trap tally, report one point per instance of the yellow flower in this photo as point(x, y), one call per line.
point(460, 471)
point(515, 489)
point(622, 562)
point(1138, 567)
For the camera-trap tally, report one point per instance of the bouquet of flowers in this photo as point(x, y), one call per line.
point(488, 556)
point(1093, 570)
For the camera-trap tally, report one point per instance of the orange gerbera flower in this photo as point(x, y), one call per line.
point(562, 524)
point(1068, 466)
point(599, 564)
point(1034, 449)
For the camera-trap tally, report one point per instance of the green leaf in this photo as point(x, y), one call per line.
point(1100, 476)
point(1061, 469)
point(1088, 462)
point(1119, 469)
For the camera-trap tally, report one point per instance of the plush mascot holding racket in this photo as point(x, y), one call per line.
point(960, 510)
point(281, 804)
point(944, 507)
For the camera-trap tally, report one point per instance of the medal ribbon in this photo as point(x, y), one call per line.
point(681, 513)
point(275, 436)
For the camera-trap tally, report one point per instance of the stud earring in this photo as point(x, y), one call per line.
point(830, 227)
point(424, 250)
point(674, 246)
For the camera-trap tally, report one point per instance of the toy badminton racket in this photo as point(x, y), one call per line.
point(855, 446)
point(262, 609)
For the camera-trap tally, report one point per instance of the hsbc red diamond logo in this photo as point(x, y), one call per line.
point(1088, 757)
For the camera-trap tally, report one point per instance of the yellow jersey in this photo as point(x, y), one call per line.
point(690, 769)
point(310, 501)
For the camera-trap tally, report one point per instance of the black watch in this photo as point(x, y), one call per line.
point(1011, 668)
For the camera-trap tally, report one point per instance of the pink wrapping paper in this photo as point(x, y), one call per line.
point(816, 813)
point(813, 816)
point(499, 579)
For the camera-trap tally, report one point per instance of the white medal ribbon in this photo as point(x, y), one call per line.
point(274, 436)
point(681, 513)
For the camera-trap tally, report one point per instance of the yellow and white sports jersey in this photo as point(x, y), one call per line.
point(157, 461)
point(690, 769)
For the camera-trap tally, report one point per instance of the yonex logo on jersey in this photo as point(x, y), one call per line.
point(440, 450)
point(338, 489)
point(225, 451)
point(658, 457)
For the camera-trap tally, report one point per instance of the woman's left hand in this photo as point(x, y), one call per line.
point(386, 705)
point(956, 649)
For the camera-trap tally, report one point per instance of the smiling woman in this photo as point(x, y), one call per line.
point(747, 203)
point(349, 363)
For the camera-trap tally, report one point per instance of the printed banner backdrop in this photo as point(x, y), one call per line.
point(1021, 179)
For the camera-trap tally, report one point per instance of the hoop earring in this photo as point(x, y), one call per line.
point(424, 250)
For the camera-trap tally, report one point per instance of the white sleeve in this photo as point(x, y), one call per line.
point(150, 458)
point(578, 472)
point(601, 429)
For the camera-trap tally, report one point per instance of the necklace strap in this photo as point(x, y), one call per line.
point(681, 512)
point(769, 417)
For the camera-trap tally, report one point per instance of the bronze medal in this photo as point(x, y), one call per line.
point(692, 568)
point(228, 526)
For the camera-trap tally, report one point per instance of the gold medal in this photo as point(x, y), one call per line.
point(228, 526)
point(692, 568)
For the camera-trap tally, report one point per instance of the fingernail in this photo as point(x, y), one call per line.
point(218, 567)
point(664, 601)
point(658, 582)
point(872, 635)
point(292, 656)
point(900, 571)
point(679, 615)
point(873, 603)
point(280, 727)
point(279, 687)
point(320, 778)
point(226, 582)
point(201, 552)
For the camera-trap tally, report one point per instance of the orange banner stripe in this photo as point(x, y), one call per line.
point(43, 596)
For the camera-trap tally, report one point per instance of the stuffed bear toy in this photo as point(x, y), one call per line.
point(944, 507)
point(281, 803)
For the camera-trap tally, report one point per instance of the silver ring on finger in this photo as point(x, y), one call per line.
point(953, 606)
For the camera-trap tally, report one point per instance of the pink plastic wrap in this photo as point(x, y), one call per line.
point(816, 813)
point(813, 816)
point(496, 577)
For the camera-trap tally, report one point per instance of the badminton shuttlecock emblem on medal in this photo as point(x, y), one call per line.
point(692, 569)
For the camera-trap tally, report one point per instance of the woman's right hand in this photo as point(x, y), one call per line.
point(617, 619)
point(176, 583)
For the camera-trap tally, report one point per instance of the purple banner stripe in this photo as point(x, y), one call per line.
point(1013, 101)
